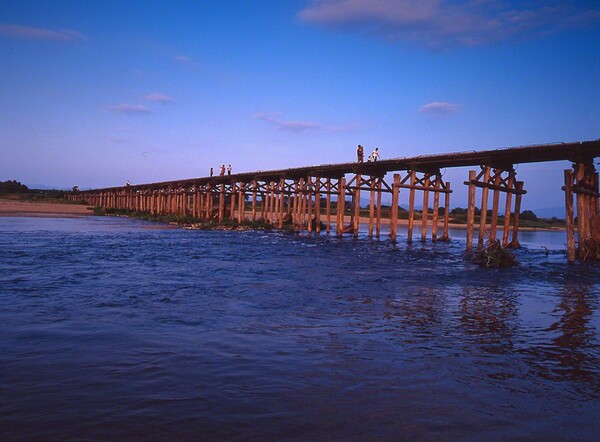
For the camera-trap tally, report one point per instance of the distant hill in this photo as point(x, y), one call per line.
point(46, 187)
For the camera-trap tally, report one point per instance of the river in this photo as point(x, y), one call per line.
point(118, 329)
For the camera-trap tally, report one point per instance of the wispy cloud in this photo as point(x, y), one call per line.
point(300, 126)
point(30, 33)
point(158, 97)
point(184, 59)
point(439, 108)
point(446, 23)
point(130, 109)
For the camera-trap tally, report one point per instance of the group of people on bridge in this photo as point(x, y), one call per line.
point(222, 171)
point(360, 153)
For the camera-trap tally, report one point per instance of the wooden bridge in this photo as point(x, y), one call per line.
point(297, 195)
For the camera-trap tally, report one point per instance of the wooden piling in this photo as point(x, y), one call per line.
point(394, 208)
point(318, 205)
point(507, 206)
point(445, 236)
point(378, 219)
point(436, 207)
point(356, 208)
point(411, 205)
point(483, 212)
point(471, 209)
point(569, 218)
point(495, 204)
point(515, 234)
point(341, 206)
point(328, 207)
point(371, 205)
point(425, 215)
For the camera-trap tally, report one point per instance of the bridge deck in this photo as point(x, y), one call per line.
point(503, 157)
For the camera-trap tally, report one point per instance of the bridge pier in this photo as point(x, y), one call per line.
point(582, 181)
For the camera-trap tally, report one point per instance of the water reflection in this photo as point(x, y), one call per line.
point(490, 316)
point(570, 352)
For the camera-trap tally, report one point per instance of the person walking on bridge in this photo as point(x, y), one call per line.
point(211, 171)
point(229, 170)
point(375, 154)
point(222, 170)
point(360, 153)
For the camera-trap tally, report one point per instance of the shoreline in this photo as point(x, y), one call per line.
point(34, 209)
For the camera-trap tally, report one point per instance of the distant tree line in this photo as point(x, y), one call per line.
point(13, 186)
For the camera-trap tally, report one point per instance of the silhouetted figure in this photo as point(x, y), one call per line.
point(211, 171)
point(360, 153)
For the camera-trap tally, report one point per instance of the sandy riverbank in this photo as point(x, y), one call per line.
point(42, 209)
point(53, 210)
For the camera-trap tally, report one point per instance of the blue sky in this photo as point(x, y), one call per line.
point(98, 92)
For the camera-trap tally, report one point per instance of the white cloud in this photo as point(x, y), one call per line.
point(130, 109)
point(439, 108)
point(159, 97)
point(300, 126)
point(29, 33)
point(446, 23)
point(183, 59)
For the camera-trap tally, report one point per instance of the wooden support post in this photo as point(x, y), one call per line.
point(253, 200)
point(328, 206)
point(394, 208)
point(371, 205)
point(281, 202)
point(296, 190)
point(232, 199)
point(515, 236)
point(276, 203)
point(241, 204)
point(445, 236)
point(471, 210)
point(318, 205)
point(222, 203)
point(507, 215)
point(436, 207)
point(356, 208)
point(594, 210)
point(378, 220)
point(495, 204)
point(569, 218)
point(484, 204)
point(341, 205)
point(272, 203)
point(582, 211)
point(425, 216)
point(411, 205)
point(309, 196)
